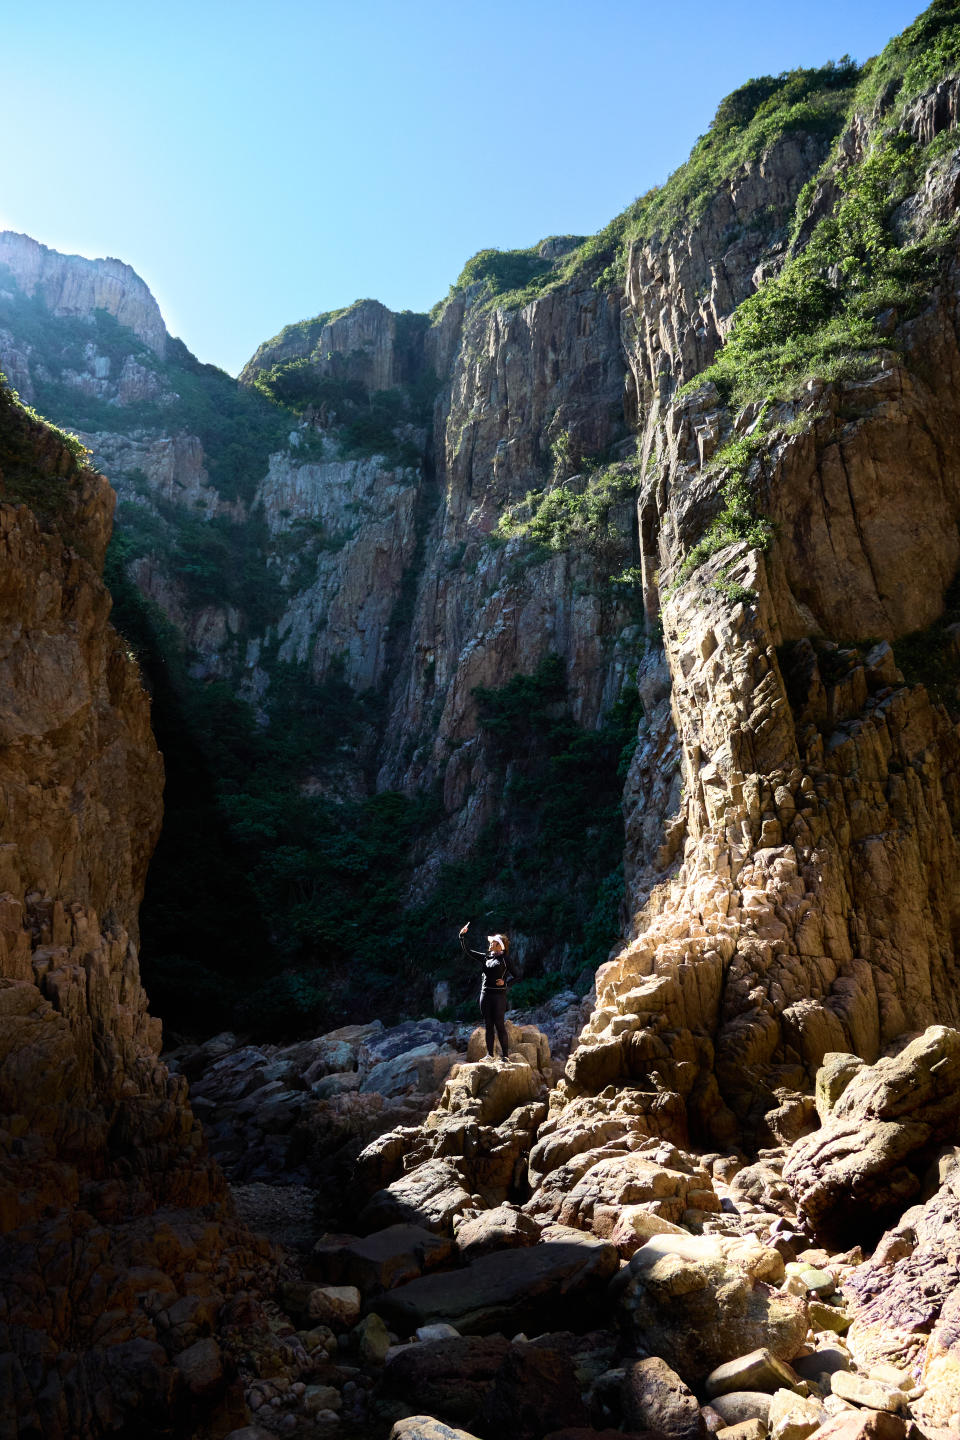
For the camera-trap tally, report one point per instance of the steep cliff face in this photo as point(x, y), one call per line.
point(365, 342)
point(71, 286)
point(102, 1166)
point(815, 905)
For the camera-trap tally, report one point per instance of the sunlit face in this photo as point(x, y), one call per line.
point(495, 944)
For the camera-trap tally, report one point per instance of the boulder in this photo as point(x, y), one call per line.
point(701, 1309)
point(863, 1425)
point(826, 1360)
point(341, 1082)
point(334, 1056)
point(424, 1427)
point(510, 1290)
point(506, 1227)
point(856, 1175)
point(737, 1405)
point(337, 1306)
point(535, 1389)
point(448, 1377)
point(655, 1398)
point(827, 1317)
point(870, 1394)
point(201, 1366)
point(382, 1260)
point(590, 1122)
point(792, 1416)
point(429, 1196)
point(760, 1370)
point(638, 1178)
point(424, 1067)
point(372, 1339)
point(743, 1430)
point(488, 1091)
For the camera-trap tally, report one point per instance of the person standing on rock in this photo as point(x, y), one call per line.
point(493, 987)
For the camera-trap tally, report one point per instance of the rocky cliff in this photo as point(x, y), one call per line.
point(69, 285)
point(108, 1204)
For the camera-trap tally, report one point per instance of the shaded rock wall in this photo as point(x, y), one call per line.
point(107, 1198)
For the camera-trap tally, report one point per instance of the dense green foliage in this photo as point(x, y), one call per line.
point(500, 271)
point(575, 514)
point(362, 422)
point(836, 300)
point(238, 427)
point(916, 58)
point(747, 123)
point(41, 475)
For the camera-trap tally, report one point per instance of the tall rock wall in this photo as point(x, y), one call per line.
point(813, 904)
point(103, 1168)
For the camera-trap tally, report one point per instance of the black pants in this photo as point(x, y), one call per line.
point(493, 1008)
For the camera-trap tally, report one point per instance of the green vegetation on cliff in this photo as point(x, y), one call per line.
point(40, 467)
point(861, 262)
point(575, 513)
point(839, 298)
point(748, 122)
point(238, 427)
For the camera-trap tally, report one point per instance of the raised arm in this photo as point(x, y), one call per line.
point(474, 954)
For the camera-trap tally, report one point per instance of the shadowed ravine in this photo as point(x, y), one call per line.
point(613, 604)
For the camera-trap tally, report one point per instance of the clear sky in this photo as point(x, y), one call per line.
point(260, 162)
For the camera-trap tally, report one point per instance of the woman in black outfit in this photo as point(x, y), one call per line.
point(493, 989)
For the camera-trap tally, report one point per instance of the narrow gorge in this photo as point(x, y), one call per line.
point(613, 604)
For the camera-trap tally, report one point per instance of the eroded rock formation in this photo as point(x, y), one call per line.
point(111, 1214)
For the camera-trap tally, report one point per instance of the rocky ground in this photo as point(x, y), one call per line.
point(513, 1259)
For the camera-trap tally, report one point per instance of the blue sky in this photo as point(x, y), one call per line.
point(260, 162)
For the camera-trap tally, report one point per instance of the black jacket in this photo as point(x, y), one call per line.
point(497, 971)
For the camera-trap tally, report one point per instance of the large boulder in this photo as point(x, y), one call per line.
point(506, 1227)
point(854, 1177)
point(655, 1398)
point(424, 1427)
point(537, 1388)
point(510, 1290)
point(384, 1259)
point(686, 1299)
point(423, 1067)
point(906, 1302)
point(449, 1378)
point(487, 1091)
point(429, 1196)
point(663, 1182)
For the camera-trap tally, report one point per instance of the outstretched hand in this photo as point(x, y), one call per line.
point(464, 928)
